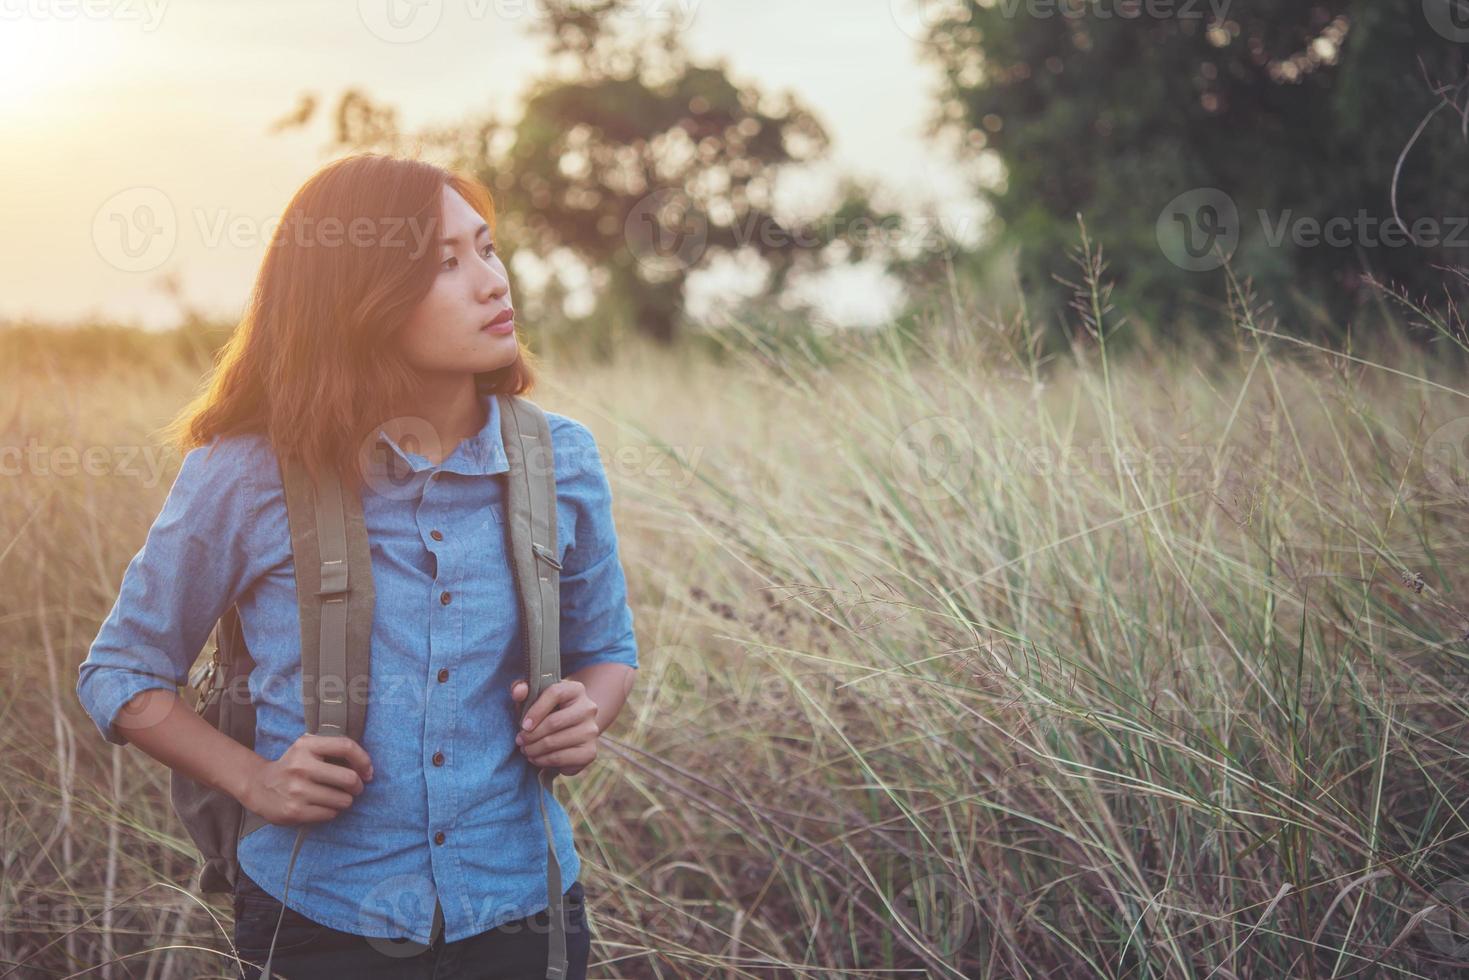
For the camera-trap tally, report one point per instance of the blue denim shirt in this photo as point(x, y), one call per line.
point(440, 673)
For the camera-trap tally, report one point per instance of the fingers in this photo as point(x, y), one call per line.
point(574, 715)
point(570, 761)
point(567, 736)
point(343, 747)
point(319, 814)
point(562, 690)
point(324, 796)
point(328, 774)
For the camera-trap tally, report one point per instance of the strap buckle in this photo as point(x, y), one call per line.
point(203, 674)
point(545, 555)
point(333, 580)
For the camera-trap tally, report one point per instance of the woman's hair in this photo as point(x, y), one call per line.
point(311, 365)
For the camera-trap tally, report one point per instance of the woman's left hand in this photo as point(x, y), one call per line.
point(560, 730)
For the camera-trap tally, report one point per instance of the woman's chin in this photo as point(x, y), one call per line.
point(507, 354)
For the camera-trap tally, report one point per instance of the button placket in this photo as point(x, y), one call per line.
point(443, 635)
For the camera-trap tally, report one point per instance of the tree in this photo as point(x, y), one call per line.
point(1298, 113)
point(636, 163)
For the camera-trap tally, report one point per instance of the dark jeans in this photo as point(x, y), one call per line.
point(305, 949)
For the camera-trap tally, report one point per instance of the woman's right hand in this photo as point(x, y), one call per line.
point(302, 786)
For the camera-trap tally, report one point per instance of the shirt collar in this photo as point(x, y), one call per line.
point(483, 454)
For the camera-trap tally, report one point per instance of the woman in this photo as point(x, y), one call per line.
point(378, 334)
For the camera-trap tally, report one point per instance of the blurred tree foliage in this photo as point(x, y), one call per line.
point(636, 164)
point(1112, 108)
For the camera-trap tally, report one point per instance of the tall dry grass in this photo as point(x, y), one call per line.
point(954, 661)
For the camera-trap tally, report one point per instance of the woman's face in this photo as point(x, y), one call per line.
point(446, 334)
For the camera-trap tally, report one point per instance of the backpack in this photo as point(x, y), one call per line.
point(335, 595)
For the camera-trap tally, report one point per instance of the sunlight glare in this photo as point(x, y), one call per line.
point(41, 58)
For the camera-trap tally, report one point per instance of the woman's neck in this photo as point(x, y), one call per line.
point(453, 413)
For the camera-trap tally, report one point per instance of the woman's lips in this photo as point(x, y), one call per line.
point(504, 323)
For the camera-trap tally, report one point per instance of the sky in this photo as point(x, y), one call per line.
point(148, 121)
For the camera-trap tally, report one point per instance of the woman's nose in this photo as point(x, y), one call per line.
point(492, 283)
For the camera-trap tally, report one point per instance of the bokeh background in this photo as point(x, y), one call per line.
point(1037, 433)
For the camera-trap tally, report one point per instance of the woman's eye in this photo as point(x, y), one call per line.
point(487, 251)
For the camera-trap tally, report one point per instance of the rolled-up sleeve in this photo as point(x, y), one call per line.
point(194, 563)
point(596, 620)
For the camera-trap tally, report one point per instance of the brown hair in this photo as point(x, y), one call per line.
point(310, 366)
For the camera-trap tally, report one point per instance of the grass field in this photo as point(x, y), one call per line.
point(953, 662)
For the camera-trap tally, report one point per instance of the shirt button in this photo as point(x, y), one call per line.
point(444, 598)
point(436, 535)
point(439, 837)
point(438, 758)
point(443, 674)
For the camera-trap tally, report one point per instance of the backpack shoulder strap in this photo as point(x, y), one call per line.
point(530, 513)
point(335, 600)
point(335, 596)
